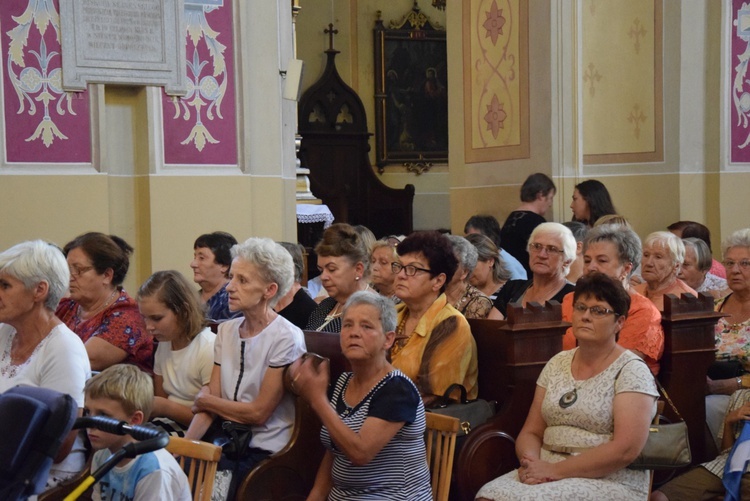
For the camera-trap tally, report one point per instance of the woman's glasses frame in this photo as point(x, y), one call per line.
point(595, 310)
point(551, 249)
point(409, 269)
point(744, 264)
point(77, 271)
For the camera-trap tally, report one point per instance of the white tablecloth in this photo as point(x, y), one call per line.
point(310, 213)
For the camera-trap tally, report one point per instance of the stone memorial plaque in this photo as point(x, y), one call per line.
point(129, 42)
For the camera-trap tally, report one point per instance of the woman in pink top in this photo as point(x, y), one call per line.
point(663, 254)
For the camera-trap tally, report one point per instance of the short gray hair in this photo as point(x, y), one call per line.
point(383, 304)
point(37, 261)
point(561, 232)
point(669, 241)
point(703, 258)
point(298, 258)
point(627, 242)
point(740, 238)
point(272, 260)
point(466, 253)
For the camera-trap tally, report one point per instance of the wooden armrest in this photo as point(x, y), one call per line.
point(487, 452)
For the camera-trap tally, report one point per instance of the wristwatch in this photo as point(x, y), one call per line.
point(739, 383)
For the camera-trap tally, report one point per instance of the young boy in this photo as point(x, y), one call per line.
point(125, 393)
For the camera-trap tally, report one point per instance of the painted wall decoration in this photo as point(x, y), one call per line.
point(42, 123)
point(740, 88)
point(496, 95)
point(201, 127)
point(621, 81)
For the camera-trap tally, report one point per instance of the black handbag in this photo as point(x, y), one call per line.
point(725, 369)
point(233, 438)
point(470, 413)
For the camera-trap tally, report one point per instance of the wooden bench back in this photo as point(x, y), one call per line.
point(689, 349)
point(290, 473)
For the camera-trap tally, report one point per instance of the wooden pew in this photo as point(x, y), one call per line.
point(689, 349)
point(511, 354)
point(290, 473)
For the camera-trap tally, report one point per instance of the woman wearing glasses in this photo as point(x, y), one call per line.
point(591, 411)
point(732, 332)
point(552, 248)
point(98, 309)
point(381, 275)
point(433, 346)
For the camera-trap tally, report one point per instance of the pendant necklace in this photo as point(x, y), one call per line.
point(569, 398)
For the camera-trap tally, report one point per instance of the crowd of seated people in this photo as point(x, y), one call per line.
point(400, 308)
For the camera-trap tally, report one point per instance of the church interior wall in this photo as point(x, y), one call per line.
point(128, 190)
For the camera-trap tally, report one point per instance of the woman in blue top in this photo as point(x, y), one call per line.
point(373, 426)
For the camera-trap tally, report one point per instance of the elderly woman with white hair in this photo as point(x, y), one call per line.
point(663, 254)
point(36, 348)
point(466, 298)
point(732, 332)
point(695, 269)
point(552, 248)
point(250, 354)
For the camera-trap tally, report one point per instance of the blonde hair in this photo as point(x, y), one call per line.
point(126, 384)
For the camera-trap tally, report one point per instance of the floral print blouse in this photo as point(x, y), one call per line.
point(732, 340)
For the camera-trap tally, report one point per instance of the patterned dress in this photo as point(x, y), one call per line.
point(473, 303)
point(587, 423)
point(320, 320)
point(120, 324)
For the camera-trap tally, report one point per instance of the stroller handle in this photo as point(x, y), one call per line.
point(150, 439)
point(117, 427)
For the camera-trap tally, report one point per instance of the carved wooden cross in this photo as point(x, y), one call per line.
point(330, 32)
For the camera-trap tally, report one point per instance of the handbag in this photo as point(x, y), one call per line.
point(725, 369)
point(233, 438)
point(668, 445)
point(470, 413)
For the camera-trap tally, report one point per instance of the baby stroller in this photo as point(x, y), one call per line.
point(34, 423)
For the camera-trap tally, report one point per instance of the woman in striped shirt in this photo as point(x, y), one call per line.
point(373, 425)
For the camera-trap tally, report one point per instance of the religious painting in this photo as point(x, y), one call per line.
point(411, 94)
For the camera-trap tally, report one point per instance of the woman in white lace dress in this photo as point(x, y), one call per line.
point(591, 411)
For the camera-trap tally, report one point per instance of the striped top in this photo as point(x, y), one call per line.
point(399, 471)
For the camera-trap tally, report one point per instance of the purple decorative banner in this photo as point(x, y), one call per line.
point(201, 128)
point(740, 112)
point(43, 123)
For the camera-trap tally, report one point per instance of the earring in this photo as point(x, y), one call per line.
point(356, 278)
